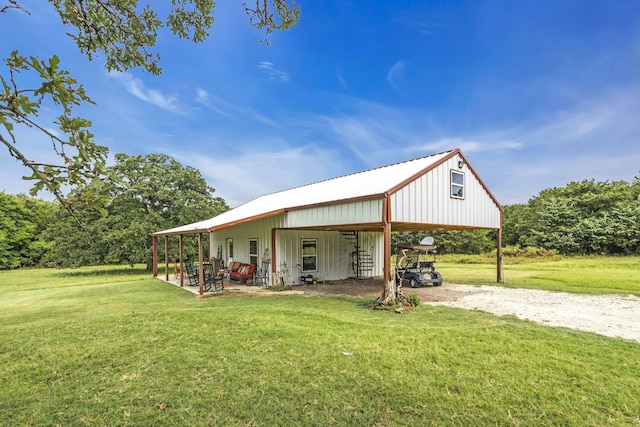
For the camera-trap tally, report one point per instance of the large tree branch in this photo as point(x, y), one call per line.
point(13, 4)
point(51, 186)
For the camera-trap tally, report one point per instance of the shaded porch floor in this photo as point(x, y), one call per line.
point(228, 287)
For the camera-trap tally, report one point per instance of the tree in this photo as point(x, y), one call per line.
point(149, 193)
point(22, 220)
point(586, 217)
point(125, 34)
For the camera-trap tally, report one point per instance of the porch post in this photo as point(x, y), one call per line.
point(499, 256)
point(386, 221)
point(181, 260)
point(273, 256)
point(200, 265)
point(154, 262)
point(166, 258)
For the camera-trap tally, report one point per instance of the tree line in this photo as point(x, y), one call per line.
point(582, 218)
point(145, 194)
point(155, 192)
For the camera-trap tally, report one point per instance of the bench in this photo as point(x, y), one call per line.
point(240, 272)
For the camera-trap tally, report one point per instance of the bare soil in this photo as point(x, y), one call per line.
point(608, 315)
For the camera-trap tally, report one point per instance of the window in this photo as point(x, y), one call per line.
point(253, 251)
point(457, 185)
point(309, 255)
point(229, 251)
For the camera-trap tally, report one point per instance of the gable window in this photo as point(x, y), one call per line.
point(457, 185)
point(309, 255)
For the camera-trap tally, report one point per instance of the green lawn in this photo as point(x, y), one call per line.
point(111, 346)
point(586, 275)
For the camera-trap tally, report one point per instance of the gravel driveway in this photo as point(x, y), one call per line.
point(609, 315)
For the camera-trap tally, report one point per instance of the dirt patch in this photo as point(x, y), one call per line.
point(609, 315)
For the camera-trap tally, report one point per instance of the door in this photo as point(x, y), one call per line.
point(229, 258)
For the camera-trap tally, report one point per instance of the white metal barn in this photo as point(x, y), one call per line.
point(342, 227)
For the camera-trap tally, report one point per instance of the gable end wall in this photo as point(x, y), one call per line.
point(427, 200)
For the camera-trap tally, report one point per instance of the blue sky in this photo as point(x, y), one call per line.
point(535, 93)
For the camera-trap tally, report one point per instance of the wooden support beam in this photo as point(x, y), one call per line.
point(386, 221)
point(166, 258)
point(154, 262)
point(200, 265)
point(499, 256)
point(181, 260)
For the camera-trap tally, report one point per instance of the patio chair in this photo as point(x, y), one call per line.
point(261, 277)
point(176, 269)
point(212, 279)
point(191, 272)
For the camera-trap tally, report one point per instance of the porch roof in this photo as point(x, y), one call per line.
point(370, 184)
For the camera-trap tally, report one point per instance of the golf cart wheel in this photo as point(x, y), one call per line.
point(413, 283)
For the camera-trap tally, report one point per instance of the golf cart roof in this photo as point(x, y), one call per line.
point(426, 244)
point(419, 247)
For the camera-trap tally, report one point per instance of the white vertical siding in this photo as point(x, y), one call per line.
point(362, 212)
point(334, 252)
point(427, 200)
point(260, 230)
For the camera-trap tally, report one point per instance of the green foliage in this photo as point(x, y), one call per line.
point(585, 217)
point(528, 252)
point(149, 193)
point(125, 34)
point(414, 300)
point(81, 159)
point(280, 288)
point(450, 241)
point(22, 220)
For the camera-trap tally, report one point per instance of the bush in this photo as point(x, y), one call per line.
point(280, 288)
point(414, 300)
point(528, 252)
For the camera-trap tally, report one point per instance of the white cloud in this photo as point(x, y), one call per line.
point(248, 171)
point(136, 87)
point(272, 72)
point(394, 74)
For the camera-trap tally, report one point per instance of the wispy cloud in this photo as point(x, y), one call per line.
point(136, 87)
point(212, 102)
point(394, 74)
point(226, 109)
point(263, 170)
point(272, 72)
point(468, 145)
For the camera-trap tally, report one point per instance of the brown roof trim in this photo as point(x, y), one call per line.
point(178, 233)
point(336, 202)
point(423, 171)
point(413, 226)
point(361, 226)
point(481, 182)
point(248, 219)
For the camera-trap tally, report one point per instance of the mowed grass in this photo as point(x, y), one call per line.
point(585, 275)
point(111, 346)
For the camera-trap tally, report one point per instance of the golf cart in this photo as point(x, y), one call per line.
point(415, 273)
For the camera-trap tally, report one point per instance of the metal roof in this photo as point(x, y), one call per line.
point(373, 183)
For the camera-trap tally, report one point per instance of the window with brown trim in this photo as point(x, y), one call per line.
point(309, 255)
point(457, 185)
